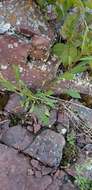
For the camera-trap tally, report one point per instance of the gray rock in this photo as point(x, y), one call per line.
point(17, 137)
point(86, 169)
point(4, 27)
point(14, 104)
point(47, 147)
point(83, 112)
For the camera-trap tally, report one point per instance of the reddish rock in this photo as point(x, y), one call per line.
point(36, 183)
point(24, 16)
point(40, 48)
point(61, 86)
point(16, 173)
point(13, 169)
point(15, 52)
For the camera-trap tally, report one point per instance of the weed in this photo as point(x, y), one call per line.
point(83, 182)
point(70, 151)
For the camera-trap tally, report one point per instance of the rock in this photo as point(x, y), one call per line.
point(24, 17)
point(17, 137)
point(54, 186)
point(88, 149)
point(16, 173)
point(35, 163)
point(36, 183)
point(61, 86)
point(4, 27)
point(63, 119)
point(84, 113)
point(81, 140)
point(37, 127)
point(61, 129)
point(13, 169)
point(4, 125)
point(85, 167)
point(60, 174)
point(62, 122)
point(30, 172)
point(40, 48)
point(68, 186)
point(34, 73)
point(47, 147)
point(14, 104)
point(30, 128)
point(38, 174)
point(52, 118)
point(46, 170)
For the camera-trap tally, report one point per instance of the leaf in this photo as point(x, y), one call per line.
point(73, 93)
point(16, 72)
point(67, 76)
point(58, 49)
point(8, 85)
point(42, 113)
point(79, 68)
point(86, 58)
point(67, 53)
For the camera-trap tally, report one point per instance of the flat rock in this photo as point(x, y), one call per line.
point(61, 86)
point(14, 172)
point(84, 113)
point(47, 147)
point(17, 137)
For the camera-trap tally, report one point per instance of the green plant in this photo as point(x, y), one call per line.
point(76, 29)
point(83, 182)
point(71, 139)
point(28, 96)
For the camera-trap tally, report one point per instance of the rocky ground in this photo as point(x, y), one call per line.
point(34, 156)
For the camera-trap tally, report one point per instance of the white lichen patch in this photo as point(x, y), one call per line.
point(44, 67)
point(10, 46)
point(21, 69)
point(3, 67)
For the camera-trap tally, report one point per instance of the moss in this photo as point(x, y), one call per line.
point(71, 151)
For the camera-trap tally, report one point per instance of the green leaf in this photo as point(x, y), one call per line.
point(73, 93)
point(67, 76)
point(16, 72)
point(58, 49)
point(86, 58)
point(8, 85)
point(79, 68)
point(67, 53)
